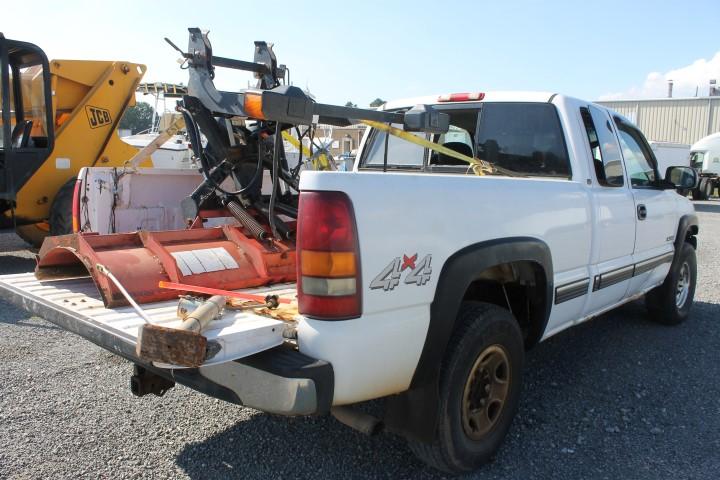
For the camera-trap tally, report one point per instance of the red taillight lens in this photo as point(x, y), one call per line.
point(328, 257)
point(76, 206)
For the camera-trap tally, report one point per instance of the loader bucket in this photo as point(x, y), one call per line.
point(221, 257)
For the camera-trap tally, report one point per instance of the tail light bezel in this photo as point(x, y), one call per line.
point(320, 307)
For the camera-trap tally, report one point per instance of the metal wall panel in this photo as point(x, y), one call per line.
point(682, 120)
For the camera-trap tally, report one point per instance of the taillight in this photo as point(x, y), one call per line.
point(461, 97)
point(76, 206)
point(329, 283)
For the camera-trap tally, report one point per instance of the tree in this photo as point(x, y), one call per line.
point(137, 118)
point(377, 102)
point(351, 104)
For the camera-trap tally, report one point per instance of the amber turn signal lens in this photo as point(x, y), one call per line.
point(253, 105)
point(327, 264)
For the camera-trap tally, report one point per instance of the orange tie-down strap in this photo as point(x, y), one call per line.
point(216, 291)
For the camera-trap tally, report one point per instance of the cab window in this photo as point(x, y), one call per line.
point(526, 138)
point(638, 162)
point(697, 159)
point(401, 154)
point(603, 147)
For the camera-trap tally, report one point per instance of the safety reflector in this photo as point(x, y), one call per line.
point(253, 105)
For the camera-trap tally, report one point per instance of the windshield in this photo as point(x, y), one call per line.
point(32, 130)
point(696, 159)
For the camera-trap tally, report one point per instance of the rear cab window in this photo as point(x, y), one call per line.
point(520, 138)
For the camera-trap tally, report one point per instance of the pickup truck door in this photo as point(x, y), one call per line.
point(613, 207)
point(655, 211)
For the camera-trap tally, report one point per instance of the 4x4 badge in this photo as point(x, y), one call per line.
point(389, 277)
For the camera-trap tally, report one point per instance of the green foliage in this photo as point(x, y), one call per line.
point(137, 118)
point(377, 102)
point(351, 104)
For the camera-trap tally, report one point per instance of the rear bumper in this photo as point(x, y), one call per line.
point(281, 380)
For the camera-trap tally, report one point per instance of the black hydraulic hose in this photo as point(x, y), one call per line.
point(245, 219)
point(282, 227)
point(195, 143)
point(287, 210)
point(275, 168)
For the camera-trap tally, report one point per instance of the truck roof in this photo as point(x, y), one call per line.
point(494, 96)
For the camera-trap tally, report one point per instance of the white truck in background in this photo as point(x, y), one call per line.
point(441, 282)
point(669, 154)
point(705, 159)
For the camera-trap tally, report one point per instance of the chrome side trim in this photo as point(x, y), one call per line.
point(624, 273)
point(612, 277)
point(572, 290)
point(650, 263)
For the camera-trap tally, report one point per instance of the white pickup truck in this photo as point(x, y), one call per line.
point(441, 279)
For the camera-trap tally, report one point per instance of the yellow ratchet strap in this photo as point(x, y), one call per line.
point(320, 161)
point(478, 166)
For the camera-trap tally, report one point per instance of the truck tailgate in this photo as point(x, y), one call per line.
point(76, 305)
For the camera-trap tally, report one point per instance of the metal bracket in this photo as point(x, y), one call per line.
point(143, 382)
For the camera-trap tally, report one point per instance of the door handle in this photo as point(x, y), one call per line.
point(641, 212)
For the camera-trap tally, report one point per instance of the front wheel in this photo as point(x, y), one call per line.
point(479, 389)
point(670, 303)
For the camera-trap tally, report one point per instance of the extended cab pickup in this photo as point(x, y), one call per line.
point(423, 282)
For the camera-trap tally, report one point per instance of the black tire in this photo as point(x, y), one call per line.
point(703, 190)
point(61, 209)
point(32, 234)
point(481, 327)
point(665, 303)
point(708, 188)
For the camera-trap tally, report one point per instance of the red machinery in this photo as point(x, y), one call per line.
point(220, 257)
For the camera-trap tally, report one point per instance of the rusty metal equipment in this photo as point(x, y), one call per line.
point(185, 345)
point(219, 257)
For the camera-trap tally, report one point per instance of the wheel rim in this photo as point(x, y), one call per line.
point(486, 391)
point(683, 285)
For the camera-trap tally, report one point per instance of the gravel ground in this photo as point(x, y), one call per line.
point(618, 397)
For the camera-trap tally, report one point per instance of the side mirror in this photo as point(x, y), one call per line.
point(682, 178)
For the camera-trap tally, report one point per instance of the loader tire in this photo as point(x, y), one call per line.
point(61, 210)
point(34, 233)
point(480, 383)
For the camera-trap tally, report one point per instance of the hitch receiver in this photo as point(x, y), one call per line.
point(144, 383)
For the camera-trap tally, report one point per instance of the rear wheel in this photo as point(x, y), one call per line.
point(61, 209)
point(479, 389)
point(704, 189)
point(670, 303)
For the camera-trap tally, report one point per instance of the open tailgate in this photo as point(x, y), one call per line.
point(75, 305)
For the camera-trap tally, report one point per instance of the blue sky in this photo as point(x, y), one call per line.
point(365, 49)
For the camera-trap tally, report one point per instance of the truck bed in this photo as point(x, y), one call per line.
point(76, 305)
